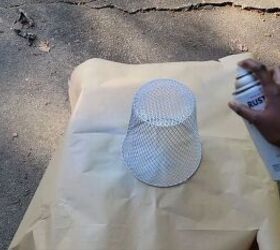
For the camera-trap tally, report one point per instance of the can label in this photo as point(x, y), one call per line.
point(253, 98)
point(258, 101)
point(270, 154)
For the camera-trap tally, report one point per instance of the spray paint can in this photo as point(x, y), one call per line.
point(248, 91)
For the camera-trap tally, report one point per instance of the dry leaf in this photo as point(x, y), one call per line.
point(31, 37)
point(239, 45)
point(243, 47)
point(15, 135)
point(24, 19)
point(44, 46)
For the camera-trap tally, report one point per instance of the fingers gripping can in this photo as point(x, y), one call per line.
point(248, 91)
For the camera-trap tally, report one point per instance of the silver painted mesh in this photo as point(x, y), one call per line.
point(162, 146)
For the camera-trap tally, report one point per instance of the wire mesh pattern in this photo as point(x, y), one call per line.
point(162, 146)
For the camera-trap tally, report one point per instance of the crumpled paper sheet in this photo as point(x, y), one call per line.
point(87, 199)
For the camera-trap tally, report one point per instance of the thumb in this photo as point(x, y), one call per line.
point(248, 114)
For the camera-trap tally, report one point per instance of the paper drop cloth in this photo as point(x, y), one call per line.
point(87, 199)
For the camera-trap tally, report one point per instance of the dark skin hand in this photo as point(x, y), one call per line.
point(268, 120)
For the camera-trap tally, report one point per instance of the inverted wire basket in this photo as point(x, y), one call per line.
point(162, 146)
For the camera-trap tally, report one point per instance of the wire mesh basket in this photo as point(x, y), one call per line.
point(162, 146)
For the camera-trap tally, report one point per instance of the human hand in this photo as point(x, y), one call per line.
point(268, 120)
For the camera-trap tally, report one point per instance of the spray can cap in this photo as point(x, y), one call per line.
point(244, 78)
